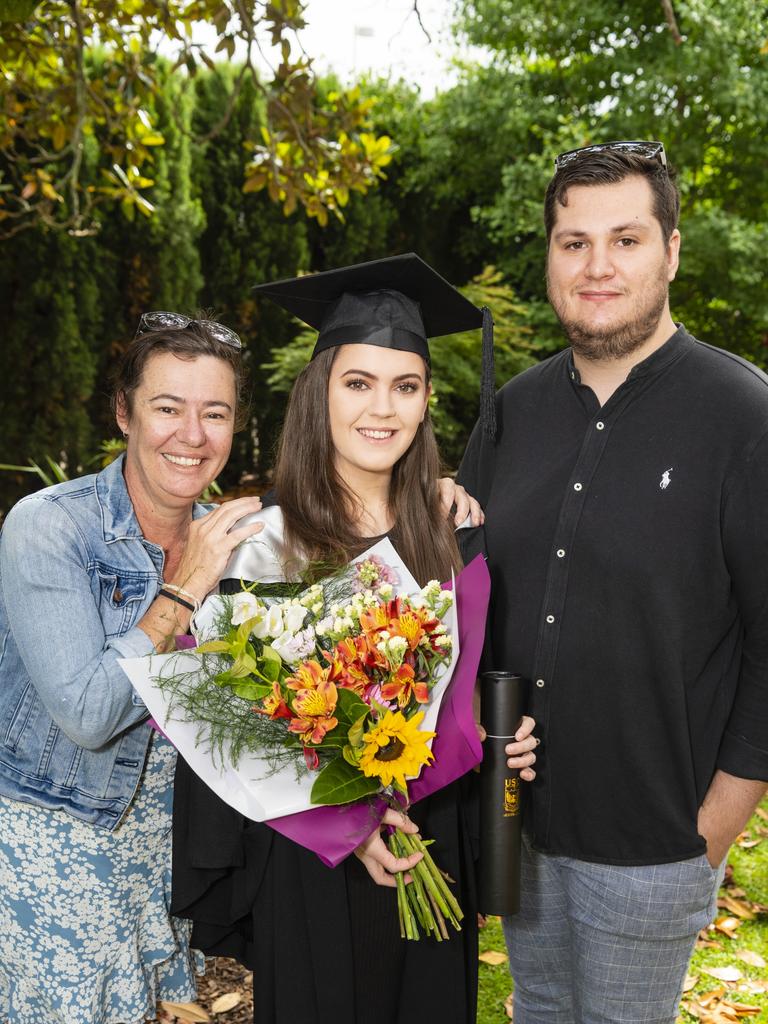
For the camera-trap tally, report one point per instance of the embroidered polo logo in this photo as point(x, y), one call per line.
point(665, 480)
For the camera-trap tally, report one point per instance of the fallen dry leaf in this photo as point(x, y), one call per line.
point(228, 1001)
point(192, 1012)
point(509, 1005)
point(704, 943)
point(747, 844)
point(723, 973)
point(753, 985)
point(747, 956)
point(493, 957)
point(742, 1009)
point(761, 813)
point(738, 907)
point(728, 926)
point(714, 996)
point(690, 982)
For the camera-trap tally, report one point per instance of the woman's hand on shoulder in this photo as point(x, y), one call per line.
point(378, 860)
point(452, 494)
point(211, 541)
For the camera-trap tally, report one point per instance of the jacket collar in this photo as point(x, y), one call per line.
point(118, 519)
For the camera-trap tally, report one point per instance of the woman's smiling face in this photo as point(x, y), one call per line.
point(179, 428)
point(377, 397)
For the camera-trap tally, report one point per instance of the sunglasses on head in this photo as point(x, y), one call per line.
point(650, 150)
point(162, 321)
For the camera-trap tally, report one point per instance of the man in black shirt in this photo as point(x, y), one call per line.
point(626, 499)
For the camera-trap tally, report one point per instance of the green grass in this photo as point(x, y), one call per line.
point(750, 873)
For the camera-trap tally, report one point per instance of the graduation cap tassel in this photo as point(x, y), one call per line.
point(488, 379)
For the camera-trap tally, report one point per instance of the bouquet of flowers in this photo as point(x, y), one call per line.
point(329, 697)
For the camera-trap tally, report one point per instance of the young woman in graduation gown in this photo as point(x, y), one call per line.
point(357, 460)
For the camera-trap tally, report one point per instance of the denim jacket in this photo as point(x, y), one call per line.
point(76, 576)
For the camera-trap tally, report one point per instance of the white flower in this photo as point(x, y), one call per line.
point(244, 607)
point(293, 617)
point(386, 590)
point(317, 609)
point(443, 641)
point(324, 626)
point(270, 624)
point(417, 601)
point(295, 648)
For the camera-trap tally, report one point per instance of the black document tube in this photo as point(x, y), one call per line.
point(503, 697)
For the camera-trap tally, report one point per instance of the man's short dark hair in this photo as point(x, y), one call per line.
point(609, 167)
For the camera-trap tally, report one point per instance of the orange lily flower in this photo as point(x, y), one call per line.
point(314, 703)
point(274, 704)
point(403, 685)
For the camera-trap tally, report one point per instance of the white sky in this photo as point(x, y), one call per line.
point(383, 37)
point(353, 37)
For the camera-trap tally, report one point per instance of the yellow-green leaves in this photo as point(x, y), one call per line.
point(88, 76)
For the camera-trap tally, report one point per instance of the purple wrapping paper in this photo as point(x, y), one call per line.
point(333, 832)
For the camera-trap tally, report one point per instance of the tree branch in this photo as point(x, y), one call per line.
point(669, 14)
point(417, 12)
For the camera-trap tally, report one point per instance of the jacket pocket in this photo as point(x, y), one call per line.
point(21, 717)
point(121, 598)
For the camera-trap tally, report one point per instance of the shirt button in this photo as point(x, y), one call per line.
point(539, 683)
point(550, 619)
point(561, 552)
point(599, 424)
point(577, 487)
point(118, 595)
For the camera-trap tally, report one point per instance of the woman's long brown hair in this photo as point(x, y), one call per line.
point(320, 511)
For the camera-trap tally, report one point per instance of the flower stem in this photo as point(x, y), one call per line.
point(427, 900)
point(438, 877)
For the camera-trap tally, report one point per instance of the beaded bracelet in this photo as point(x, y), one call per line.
point(182, 593)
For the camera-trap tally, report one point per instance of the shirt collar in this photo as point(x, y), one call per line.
point(658, 360)
point(118, 518)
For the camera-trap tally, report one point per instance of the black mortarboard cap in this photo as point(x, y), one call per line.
point(396, 302)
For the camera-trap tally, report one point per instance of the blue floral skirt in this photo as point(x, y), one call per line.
point(85, 933)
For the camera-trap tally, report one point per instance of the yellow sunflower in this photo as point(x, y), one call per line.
point(394, 748)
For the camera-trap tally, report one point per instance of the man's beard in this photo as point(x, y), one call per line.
point(615, 340)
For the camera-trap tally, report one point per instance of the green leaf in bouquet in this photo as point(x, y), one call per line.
point(271, 665)
point(214, 647)
point(349, 709)
point(351, 755)
point(358, 727)
point(341, 783)
point(245, 664)
point(249, 690)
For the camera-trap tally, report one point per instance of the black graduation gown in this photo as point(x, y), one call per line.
point(324, 943)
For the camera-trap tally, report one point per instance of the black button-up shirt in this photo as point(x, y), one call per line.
point(628, 547)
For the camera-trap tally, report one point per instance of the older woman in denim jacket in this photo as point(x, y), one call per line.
point(92, 570)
